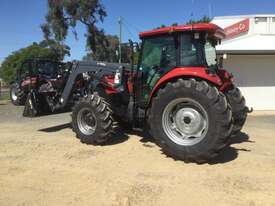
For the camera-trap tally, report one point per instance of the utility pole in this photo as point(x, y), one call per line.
point(120, 38)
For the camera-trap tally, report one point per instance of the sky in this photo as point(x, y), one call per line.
point(20, 20)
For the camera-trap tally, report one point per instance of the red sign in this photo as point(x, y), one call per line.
point(237, 29)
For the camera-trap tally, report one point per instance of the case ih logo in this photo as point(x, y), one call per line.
point(237, 29)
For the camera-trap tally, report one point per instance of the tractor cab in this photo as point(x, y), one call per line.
point(163, 50)
point(191, 45)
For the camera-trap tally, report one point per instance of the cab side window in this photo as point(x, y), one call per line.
point(191, 51)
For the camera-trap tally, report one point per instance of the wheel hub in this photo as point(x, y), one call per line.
point(86, 121)
point(185, 121)
point(189, 121)
point(14, 94)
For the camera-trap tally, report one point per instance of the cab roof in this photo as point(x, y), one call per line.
point(212, 29)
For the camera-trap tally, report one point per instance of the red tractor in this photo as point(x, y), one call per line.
point(177, 91)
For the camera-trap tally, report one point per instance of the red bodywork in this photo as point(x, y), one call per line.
point(107, 82)
point(221, 80)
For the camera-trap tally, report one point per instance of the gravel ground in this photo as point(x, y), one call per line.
point(42, 163)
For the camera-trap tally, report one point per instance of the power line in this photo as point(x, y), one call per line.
point(129, 31)
point(133, 26)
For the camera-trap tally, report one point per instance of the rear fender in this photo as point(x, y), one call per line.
point(186, 72)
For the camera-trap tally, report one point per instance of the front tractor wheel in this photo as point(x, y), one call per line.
point(190, 120)
point(17, 96)
point(92, 120)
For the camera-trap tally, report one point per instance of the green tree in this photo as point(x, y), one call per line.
point(13, 61)
point(66, 14)
point(204, 19)
point(107, 52)
point(61, 50)
point(163, 25)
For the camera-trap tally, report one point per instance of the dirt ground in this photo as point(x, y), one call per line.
point(42, 163)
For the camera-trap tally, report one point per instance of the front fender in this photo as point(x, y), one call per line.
point(195, 72)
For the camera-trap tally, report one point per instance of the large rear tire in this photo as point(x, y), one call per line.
point(17, 96)
point(190, 120)
point(92, 120)
point(239, 109)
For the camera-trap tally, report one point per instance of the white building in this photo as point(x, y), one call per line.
point(250, 49)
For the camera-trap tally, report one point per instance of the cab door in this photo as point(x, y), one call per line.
point(158, 56)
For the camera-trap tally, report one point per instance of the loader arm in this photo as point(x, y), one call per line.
point(96, 71)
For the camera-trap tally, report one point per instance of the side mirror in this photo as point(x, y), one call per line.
point(221, 59)
point(220, 63)
point(17, 73)
point(163, 60)
point(136, 47)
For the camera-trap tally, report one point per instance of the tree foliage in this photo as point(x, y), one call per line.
point(204, 19)
point(66, 14)
point(109, 52)
point(163, 25)
point(60, 49)
point(13, 61)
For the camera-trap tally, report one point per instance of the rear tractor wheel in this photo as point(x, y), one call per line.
point(239, 109)
point(190, 120)
point(92, 120)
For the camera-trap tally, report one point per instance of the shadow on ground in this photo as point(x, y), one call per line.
point(56, 128)
point(2, 103)
point(230, 153)
point(120, 135)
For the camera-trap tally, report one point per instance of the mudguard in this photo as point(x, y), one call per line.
point(187, 72)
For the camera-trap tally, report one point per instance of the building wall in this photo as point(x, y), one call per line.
point(255, 75)
point(225, 22)
point(258, 24)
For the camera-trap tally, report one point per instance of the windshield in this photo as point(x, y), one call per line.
point(196, 50)
point(46, 68)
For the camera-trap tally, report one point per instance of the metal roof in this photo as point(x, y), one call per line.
point(213, 28)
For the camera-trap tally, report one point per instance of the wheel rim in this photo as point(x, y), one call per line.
point(185, 121)
point(86, 121)
point(14, 94)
